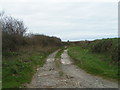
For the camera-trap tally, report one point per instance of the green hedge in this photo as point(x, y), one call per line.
point(108, 46)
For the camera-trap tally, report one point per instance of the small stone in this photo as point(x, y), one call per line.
point(64, 80)
point(38, 75)
point(71, 77)
point(68, 77)
point(37, 69)
point(51, 69)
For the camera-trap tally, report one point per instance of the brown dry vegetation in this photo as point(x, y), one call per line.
point(14, 37)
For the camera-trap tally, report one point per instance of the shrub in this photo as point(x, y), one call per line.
point(108, 46)
point(13, 31)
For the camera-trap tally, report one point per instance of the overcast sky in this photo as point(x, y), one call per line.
point(67, 19)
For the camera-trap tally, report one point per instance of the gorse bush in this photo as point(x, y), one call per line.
point(102, 45)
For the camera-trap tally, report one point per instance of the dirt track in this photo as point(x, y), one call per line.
point(49, 76)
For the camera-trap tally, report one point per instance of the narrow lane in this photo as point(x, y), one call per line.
point(48, 76)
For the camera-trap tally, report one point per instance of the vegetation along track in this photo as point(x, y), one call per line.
point(73, 77)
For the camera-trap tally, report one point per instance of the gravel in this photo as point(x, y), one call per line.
point(48, 76)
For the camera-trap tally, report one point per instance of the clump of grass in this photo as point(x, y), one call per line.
point(58, 55)
point(97, 64)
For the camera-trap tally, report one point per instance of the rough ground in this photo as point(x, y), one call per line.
point(66, 76)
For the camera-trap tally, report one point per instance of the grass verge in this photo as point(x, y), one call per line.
point(97, 64)
point(19, 68)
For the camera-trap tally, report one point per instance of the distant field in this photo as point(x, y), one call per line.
point(97, 64)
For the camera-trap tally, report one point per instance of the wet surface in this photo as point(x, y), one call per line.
point(48, 76)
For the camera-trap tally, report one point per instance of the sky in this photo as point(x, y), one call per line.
point(72, 20)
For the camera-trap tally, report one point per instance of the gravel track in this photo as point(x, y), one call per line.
point(48, 76)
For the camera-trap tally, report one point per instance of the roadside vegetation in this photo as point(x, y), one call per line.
point(19, 69)
point(22, 53)
point(99, 57)
point(58, 55)
point(108, 47)
point(58, 62)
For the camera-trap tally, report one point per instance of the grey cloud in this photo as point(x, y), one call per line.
point(60, 18)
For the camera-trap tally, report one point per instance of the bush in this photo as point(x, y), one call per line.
point(13, 31)
point(108, 46)
point(14, 36)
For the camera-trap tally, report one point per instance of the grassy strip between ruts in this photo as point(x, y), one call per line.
point(96, 64)
point(58, 55)
point(57, 61)
point(20, 68)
